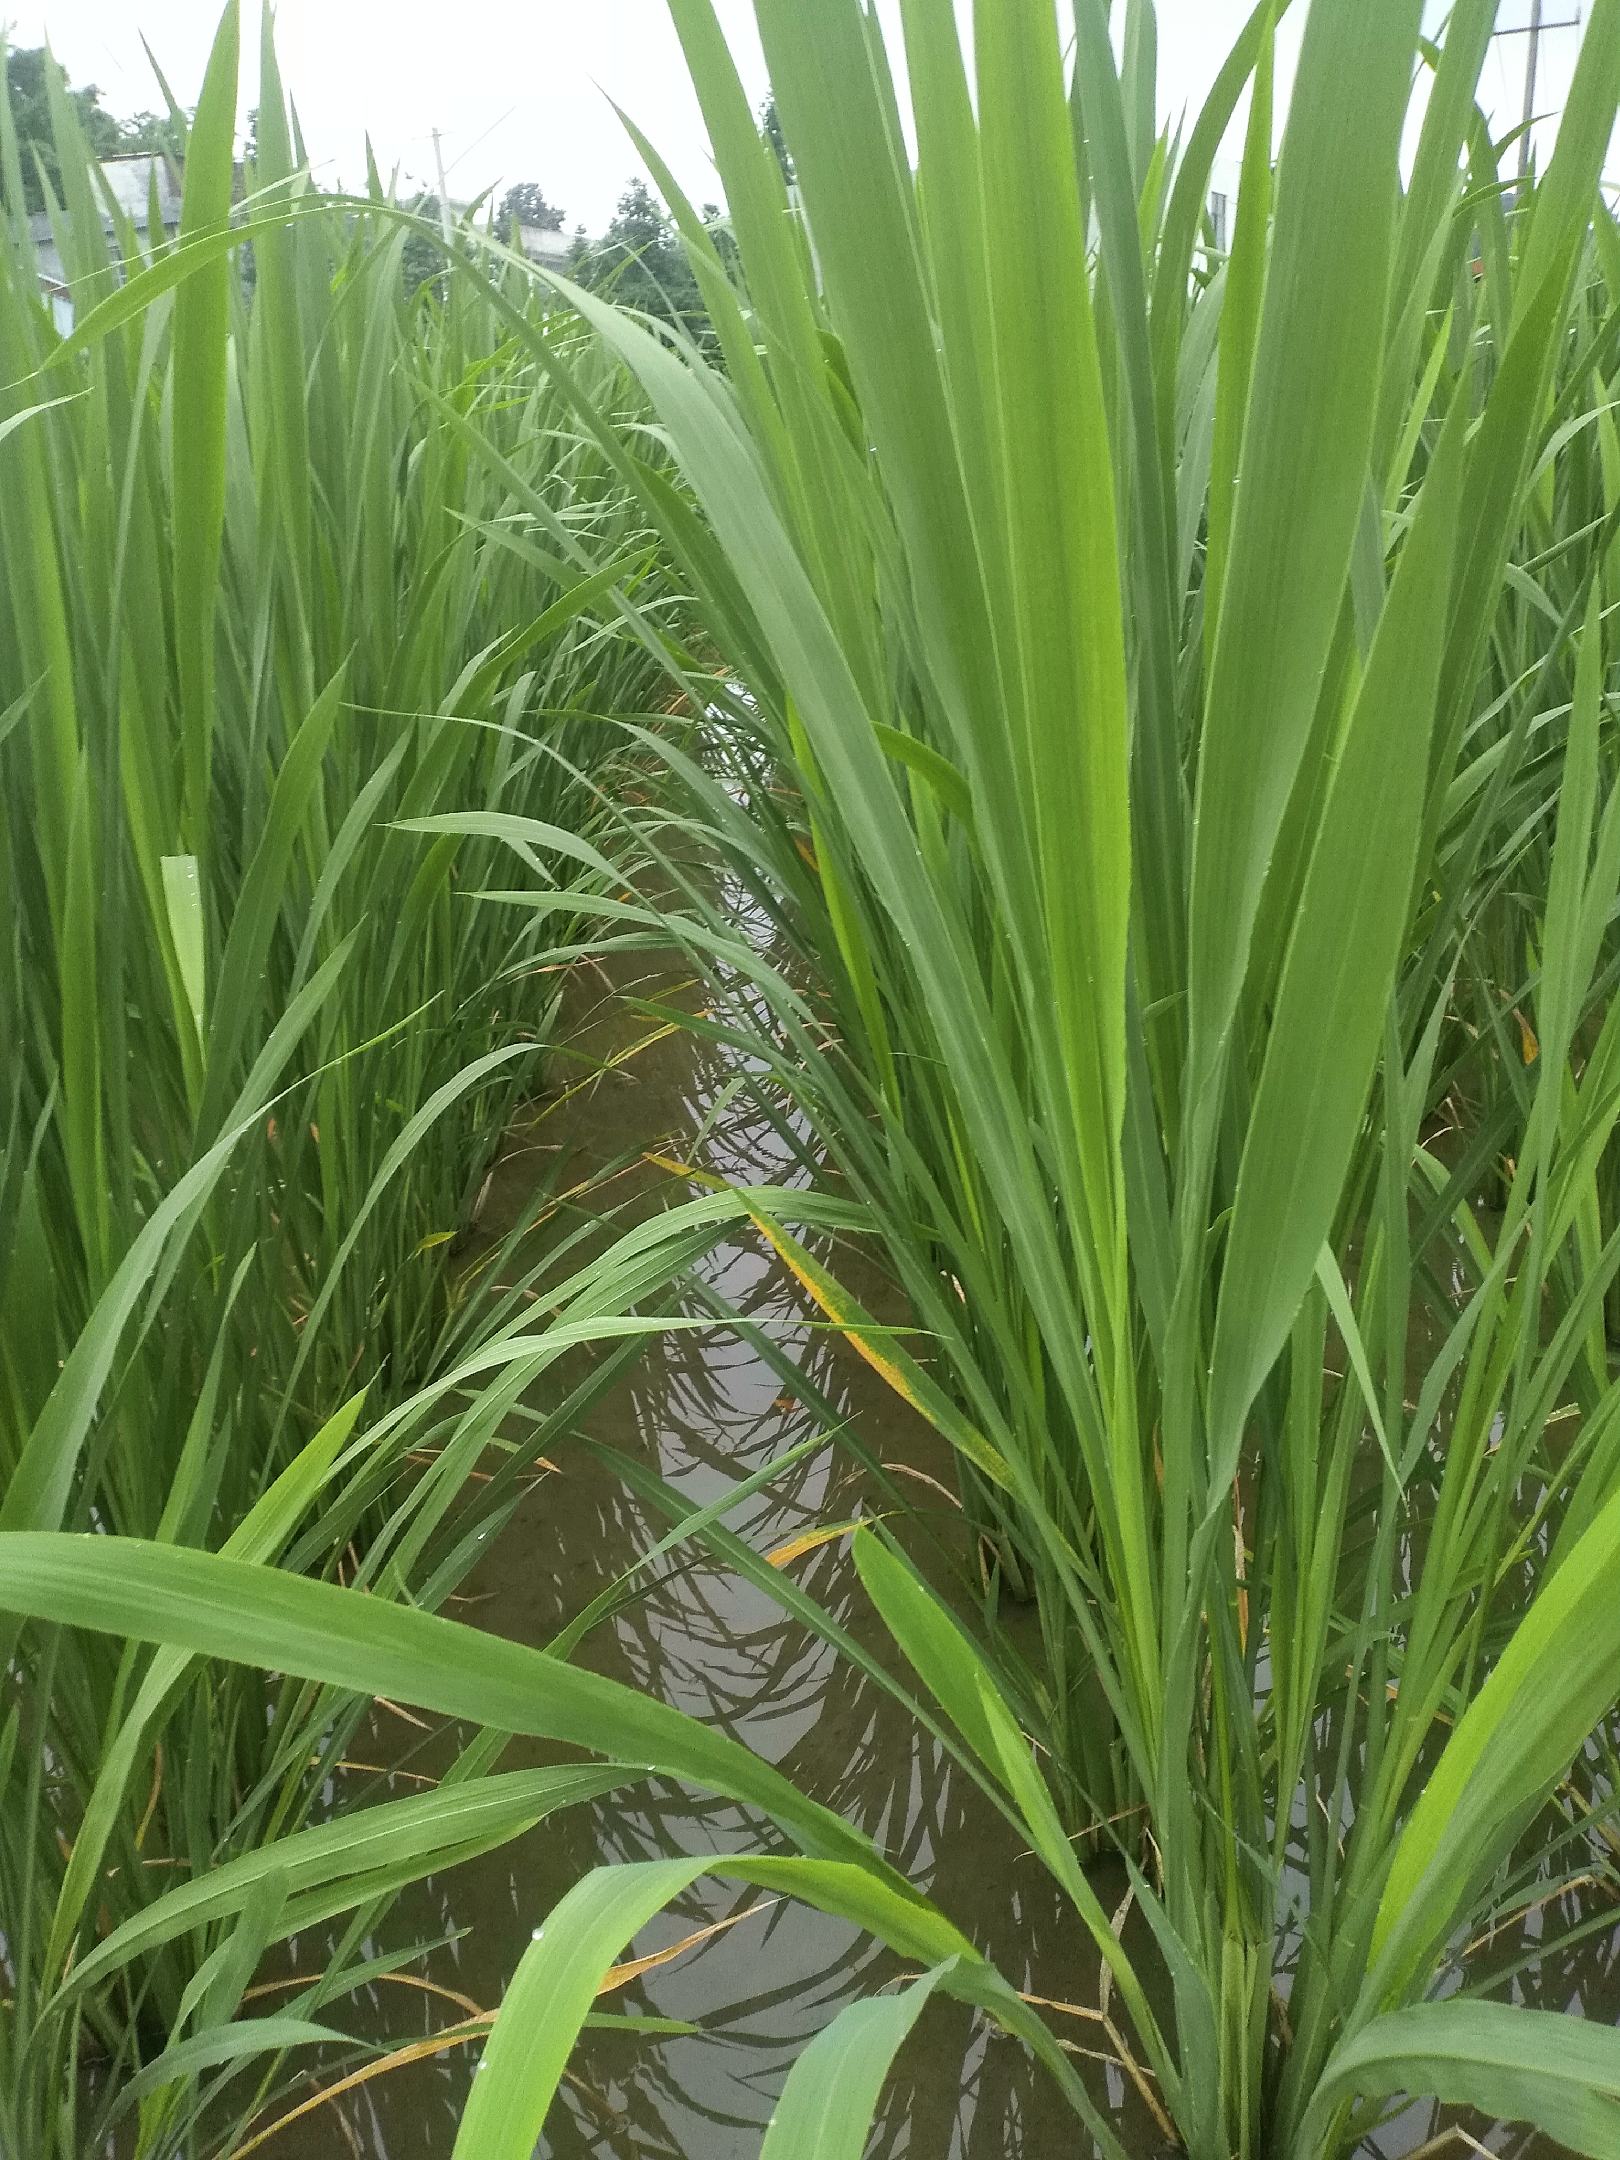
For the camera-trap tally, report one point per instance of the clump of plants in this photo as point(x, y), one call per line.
point(1178, 738)
point(1168, 724)
point(294, 565)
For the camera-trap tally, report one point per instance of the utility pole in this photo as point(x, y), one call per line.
point(1532, 60)
point(1533, 30)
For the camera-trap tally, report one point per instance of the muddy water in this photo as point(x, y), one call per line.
point(705, 1409)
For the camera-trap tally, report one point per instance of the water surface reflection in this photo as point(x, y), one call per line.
point(703, 1410)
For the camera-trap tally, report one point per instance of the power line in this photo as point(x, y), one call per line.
point(1533, 30)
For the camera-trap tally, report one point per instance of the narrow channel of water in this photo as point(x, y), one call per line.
point(705, 1409)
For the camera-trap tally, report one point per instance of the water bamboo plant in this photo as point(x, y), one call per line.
point(293, 560)
point(1168, 710)
point(1177, 733)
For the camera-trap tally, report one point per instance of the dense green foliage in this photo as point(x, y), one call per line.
point(35, 83)
point(291, 570)
point(641, 262)
point(1167, 722)
point(525, 203)
point(1178, 729)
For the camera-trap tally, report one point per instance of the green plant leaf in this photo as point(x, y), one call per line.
point(1535, 2066)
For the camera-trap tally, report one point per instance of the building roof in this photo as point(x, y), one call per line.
point(542, 245)
point(128, 178)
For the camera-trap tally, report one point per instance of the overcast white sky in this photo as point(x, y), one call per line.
point(516, 86)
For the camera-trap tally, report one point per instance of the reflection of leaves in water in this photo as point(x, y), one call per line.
point(703, 1410)
point(708, 1410)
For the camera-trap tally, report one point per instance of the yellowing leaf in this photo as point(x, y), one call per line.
point(796, 1548)
point(618, 1976)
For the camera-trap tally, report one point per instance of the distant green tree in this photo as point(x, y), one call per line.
point(28, 79)
point(163, 134)
point(641, 262)
point(28, 89)
point(526, 203)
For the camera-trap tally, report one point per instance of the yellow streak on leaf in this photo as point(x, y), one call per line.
point(609, 1064)
point(684, 1170)
point(619, 1976)
point(857, 1328)
point(436, 2044)
point(477, 2027)
point(290, 1981)
point(796, 1548)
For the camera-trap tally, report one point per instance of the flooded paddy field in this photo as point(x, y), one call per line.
point(705, 1409)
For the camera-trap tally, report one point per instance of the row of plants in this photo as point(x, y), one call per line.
point(1189, 680)
point(296, 565)
point(1191, 674)
point(1167, 722)
point(1207, 832)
